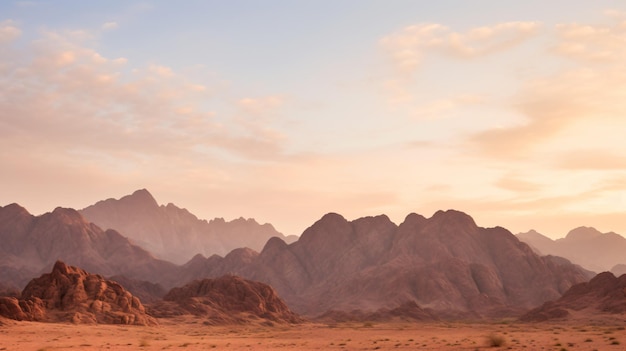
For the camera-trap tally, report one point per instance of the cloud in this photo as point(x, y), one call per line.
point(109, 25)
point(567, 107)
point(8, 32)
point(593, 43)
point(66, 101)
point(261, 106)
point(591, 159)
point(443, 107)
point(514, 183)
point(408, 47)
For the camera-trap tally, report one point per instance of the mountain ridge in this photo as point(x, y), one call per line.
point(174, 233)
point(585, 246)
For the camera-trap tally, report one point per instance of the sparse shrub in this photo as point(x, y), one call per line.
point(614, 342)
point(144, 343)
point(494, 340)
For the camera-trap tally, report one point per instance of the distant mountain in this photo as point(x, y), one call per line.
point(445, 263)
point(70, 294)
point(584, 246)
point(31, 245)
point(603, 296)
point(226, 300)
point(174, 234)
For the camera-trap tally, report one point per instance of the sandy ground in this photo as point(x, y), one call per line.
point(194, 335)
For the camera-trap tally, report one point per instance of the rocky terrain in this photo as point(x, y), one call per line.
point(173, 233)
point(445, 263)
point(227, 299)
point(70, 294)
point(585, 246)
point(605, 294)
point(31, 245)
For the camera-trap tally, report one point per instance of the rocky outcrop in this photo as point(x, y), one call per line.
point(585, 246)
point(70, 294)
point(31, 245)
point(228, 299)
point(173, 233)
point(445, 263)
point(603, 295)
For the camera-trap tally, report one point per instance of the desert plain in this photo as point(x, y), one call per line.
point(193, 334)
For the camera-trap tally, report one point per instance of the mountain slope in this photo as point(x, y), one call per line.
point(31, 245)
point(602, 296)
point(585, 246)
point(445, 263)
point(174, 234)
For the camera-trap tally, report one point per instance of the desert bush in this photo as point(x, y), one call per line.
point(495, 340)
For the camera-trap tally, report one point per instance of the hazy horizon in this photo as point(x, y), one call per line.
point(284, 111)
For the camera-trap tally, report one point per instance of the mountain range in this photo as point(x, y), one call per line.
point(32, 244)
point(174, 234)
point(444, 264)
point(585, 246)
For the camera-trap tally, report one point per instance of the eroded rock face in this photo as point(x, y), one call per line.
point(228, 299)
point(70, 294)
point(605, 294)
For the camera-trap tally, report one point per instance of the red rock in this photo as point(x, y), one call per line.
point(228, 299)
point(71, 294)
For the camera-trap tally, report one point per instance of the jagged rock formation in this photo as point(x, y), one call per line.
point(585, 246)
point(445, 263)
point(228, 299)
point(70, 294)
point(174, 234)
point(31, 245)
point(603, 295)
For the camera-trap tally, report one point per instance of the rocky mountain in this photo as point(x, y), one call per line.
point(445, 263)
point(173, 233)
point(31, 245)
point(604, 295)
point(227, 299)
point(70, 294)
point(585, 246)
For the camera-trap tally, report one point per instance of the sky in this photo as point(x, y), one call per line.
point(511, 111)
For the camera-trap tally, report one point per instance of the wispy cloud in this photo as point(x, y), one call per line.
point(109, 25)
point(587, 93)
point(8, 31)
point(67, 96)
point(408, 47)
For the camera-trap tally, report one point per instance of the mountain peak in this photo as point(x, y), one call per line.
point(141, 196)
point(454, 216)
point(583, 233)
